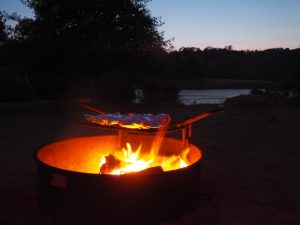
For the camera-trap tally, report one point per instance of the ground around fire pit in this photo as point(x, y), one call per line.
point(251, 169)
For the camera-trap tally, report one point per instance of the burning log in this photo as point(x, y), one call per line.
point(111, 163)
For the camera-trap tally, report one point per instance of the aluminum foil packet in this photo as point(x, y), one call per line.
point(131, 120)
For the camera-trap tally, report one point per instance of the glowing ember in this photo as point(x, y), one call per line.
point(128, 161)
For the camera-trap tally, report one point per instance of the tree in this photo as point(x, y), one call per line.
point(3, 29)
point(228, 47)
point(86, 40)
point(115, 25)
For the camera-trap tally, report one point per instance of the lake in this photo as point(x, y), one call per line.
point(209, 96)
point(205, 96)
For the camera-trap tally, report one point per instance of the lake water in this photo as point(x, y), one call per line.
point(207, 96)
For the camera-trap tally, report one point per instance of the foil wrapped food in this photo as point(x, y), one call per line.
point(131, 120)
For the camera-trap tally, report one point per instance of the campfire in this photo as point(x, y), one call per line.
point(127, 161)
point(101, 154)
point(140, 168)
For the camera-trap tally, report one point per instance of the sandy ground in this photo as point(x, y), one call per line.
point(251, 169)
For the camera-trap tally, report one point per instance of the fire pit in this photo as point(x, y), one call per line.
point(78, 180)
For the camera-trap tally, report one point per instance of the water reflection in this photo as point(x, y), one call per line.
point(207, 96)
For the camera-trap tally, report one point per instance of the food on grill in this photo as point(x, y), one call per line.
point(131, 120)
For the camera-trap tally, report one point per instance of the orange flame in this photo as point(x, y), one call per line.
point(127, 161)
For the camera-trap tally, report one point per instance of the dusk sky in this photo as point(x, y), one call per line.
point(244, 24)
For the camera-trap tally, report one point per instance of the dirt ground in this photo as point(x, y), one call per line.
point(251, 169)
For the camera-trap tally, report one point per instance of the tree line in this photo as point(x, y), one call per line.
point(109, 46)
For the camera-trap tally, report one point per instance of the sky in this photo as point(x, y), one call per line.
point(244, 24)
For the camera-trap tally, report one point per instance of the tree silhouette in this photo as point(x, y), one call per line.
point(86, 40)
point(114, 46)
point(3, 31)
point(113, 25)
